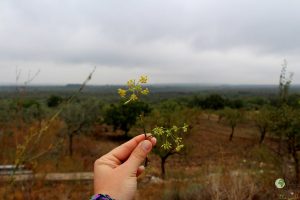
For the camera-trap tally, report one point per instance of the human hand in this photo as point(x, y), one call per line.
point(116, 172)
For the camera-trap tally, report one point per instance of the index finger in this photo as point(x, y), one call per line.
point(122, 152)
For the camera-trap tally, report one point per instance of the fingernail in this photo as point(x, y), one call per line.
point(146, 145)
point(149, 135)
point(154, 140)
point(142, 167)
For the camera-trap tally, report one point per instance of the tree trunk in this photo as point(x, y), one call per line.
point(70, 145)
point(262, 136)
point(296, 160)
point(280, 144)
point(290, 143)
point(162, 166)
point(163, 162)
point(297, 172)
point(232, 132)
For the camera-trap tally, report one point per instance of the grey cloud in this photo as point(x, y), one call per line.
point(158, 36)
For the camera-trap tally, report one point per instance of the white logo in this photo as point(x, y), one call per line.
point(279, 183)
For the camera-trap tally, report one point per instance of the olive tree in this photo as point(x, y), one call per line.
point(294, 144)
point(54, 101)
point(232, 117)
point(262, 120)
point(169, 142)
point(169, 124)
point(79, 117)
point(286, 121)
point(286, 124)
point(124, 116)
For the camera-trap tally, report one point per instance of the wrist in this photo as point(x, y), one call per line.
point(101, 197)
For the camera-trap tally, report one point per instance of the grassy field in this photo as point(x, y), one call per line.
point(209, 167)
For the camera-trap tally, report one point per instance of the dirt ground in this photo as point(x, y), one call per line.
point(210, 167)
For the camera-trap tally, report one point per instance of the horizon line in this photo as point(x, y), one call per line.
point(153, 84)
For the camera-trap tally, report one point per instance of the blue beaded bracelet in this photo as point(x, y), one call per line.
point(101, 197)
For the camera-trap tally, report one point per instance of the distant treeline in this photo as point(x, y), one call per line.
point(218, 102)
point(158, 88)
point(204, 96)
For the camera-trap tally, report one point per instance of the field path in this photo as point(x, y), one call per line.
point(50, 176)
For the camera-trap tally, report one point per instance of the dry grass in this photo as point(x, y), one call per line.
point(210, 168)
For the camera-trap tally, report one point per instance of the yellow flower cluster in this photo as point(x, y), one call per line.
point(143, 79)
point(135, 89)
point(145, 91)
point(170, 137)
point(131, 83)
point(122, 92)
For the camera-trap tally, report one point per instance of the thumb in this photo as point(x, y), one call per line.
point(138, 155)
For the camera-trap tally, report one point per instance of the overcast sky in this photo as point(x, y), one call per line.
point(171, 41)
